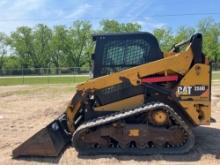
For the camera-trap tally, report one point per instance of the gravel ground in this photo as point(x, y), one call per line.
point(26, 109)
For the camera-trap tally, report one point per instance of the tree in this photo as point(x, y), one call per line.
point(184, 33)
point(165, 38)
point(211, 43)
point(12, 65)
point(79, 43)
point(59, 46)
point(205, 24)
point(114, 26)
point(22, 41)
point(42, 46)
point(211, 33)
point(3, 50)
point(42, 51)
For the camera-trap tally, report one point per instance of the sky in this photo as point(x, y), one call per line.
point(150, 14)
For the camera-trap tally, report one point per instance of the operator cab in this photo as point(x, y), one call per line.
point(119, 51)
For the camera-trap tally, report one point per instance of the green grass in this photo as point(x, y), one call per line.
point(42, 80)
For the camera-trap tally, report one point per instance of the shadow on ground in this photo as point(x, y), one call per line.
point(207, 141)
point(39, 159)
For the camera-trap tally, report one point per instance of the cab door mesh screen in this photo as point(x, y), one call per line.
point(122, 54)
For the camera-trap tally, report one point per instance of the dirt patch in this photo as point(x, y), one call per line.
point(26, 109)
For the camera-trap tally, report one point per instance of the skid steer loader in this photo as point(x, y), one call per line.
point(139, 101)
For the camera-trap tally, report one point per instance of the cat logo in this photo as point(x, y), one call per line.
point(184, 90)
point(196, 90)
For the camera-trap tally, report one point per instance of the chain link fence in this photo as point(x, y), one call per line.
point(45, 71)
point(62, 71)
point(58, 75)
point(44, 75)
point(216, 66)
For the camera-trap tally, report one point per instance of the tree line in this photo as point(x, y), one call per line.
point(61, 46)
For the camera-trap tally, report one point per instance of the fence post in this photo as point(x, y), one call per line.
point(74, 73)
point(48, 81)
point(22, 75)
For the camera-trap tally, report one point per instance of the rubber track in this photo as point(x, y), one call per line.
point(134, 151)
